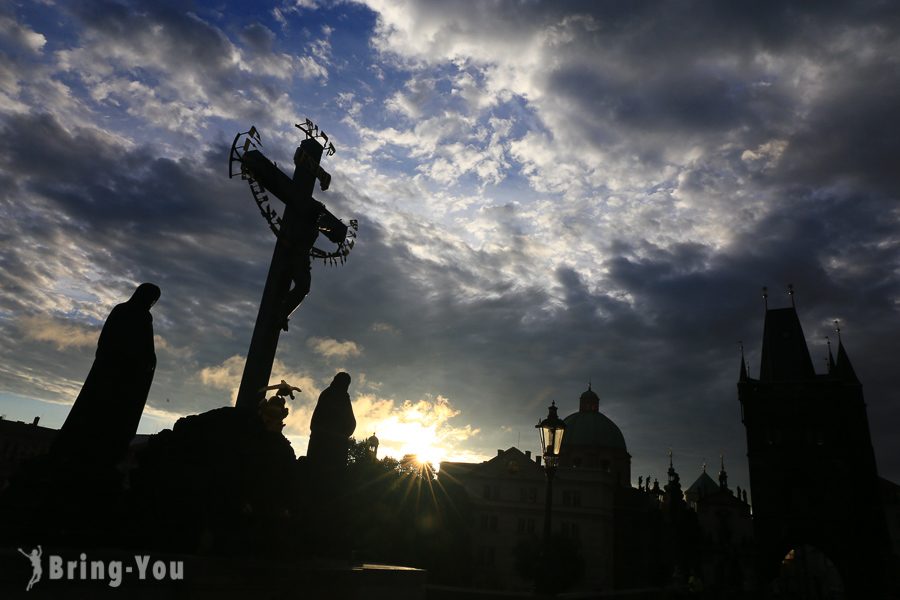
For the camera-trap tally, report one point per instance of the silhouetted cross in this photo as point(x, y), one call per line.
point(297, 230)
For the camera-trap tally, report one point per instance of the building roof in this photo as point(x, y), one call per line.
point(703, 486)
point(843, 369)
point(785, 356)
point(511, 462)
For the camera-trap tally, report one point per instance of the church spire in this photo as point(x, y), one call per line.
point(723, 476)
point(671, 472)
point(674, 495)
point(842, 367)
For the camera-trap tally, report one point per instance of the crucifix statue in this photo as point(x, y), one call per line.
point(296, 230)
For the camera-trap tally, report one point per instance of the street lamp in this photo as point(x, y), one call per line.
point(552, 429)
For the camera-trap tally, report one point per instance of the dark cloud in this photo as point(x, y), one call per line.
point(853, 135)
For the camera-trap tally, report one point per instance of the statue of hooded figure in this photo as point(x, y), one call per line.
point(331, 426)
point(330, 430)
point(106, 413)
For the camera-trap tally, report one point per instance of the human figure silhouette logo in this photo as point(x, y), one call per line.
point(35, 558)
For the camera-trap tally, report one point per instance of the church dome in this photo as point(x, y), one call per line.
point(590, 427)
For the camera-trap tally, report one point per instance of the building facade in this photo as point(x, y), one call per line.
point(508, 500)
point(20, 441)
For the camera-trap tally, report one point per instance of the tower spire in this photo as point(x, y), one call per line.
point(674, 495)
point(791, 294)
point(765, 295)
point(843, 369)
point(723, 476)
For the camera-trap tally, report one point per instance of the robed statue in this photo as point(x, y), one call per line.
point(331, 426)
point(105, 416)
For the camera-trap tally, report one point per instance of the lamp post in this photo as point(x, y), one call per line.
point(552, 429)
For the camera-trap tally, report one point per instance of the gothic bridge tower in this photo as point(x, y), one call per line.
point(812, 468)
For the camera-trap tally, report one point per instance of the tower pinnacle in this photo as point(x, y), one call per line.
point(723, 476)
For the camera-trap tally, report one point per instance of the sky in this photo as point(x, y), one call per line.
point(548, 194)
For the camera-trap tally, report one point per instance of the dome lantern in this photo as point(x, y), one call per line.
point(589, 401)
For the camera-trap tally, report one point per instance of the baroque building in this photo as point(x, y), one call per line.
point(624, 536)
point(508, 495)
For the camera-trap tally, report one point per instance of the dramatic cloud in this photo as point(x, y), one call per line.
point(62, 335)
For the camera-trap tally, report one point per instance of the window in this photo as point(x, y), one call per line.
point(485, 556)
point(525, 525)
point(571, 498)
point(571, 530)
point(488, 522)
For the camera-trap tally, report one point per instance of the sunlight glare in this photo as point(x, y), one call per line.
point(412, 438)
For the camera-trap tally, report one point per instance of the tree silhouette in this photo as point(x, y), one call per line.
point(402, 512)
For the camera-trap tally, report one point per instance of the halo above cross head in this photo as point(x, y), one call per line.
point(343, 236)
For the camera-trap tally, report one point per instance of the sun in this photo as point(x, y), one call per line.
point(422, 442)
point(414, 433)
point(429, 455)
